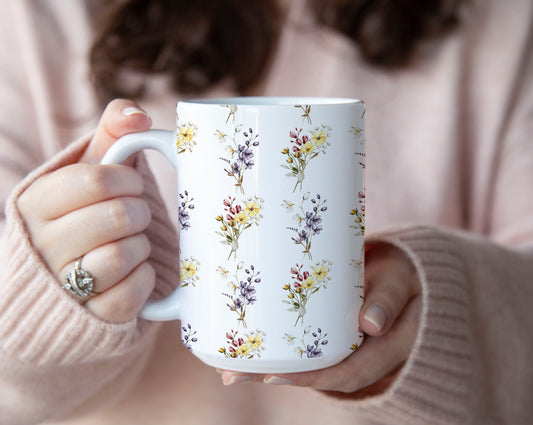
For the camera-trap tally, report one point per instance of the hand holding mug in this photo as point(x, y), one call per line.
point(389, 317)
point(94, 213)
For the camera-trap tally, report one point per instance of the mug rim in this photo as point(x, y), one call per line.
point(273, 101)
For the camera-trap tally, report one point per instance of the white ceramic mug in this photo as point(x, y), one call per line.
point(271, 216)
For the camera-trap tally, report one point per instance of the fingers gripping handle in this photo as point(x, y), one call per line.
point(162, 141)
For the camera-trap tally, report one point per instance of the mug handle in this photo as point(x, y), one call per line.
point(162, 141)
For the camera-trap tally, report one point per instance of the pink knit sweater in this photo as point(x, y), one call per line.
point(450, 172)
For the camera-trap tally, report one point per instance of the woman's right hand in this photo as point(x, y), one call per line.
point(95, 212)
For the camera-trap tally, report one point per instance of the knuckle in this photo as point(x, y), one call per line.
point(129, 214)
point(120, 214)
point(97, 181)
point(117, 259)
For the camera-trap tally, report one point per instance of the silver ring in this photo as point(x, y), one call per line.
point(78, 281)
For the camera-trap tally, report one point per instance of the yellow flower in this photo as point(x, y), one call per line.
point(242, 217)
point(254, 341)
point(188, 269)
point(308, 283)
point(319, 137)
point(308, 147)
point(252, 208)
point(185, 136)
point(243, 350)
point(320, 272)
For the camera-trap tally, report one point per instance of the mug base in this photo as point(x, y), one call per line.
point(262, 365)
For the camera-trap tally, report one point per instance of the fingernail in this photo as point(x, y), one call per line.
point(276, 380)
point(376, 315)
point(238, 379)
point(133, 110)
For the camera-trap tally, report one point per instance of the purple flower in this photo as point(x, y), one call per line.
point(313, 352)
point(183, 213)
point(246, 156)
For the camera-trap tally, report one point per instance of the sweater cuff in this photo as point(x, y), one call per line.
point(40, 322)
point(433, 386)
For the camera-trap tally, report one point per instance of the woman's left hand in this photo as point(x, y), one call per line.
point(389, 317)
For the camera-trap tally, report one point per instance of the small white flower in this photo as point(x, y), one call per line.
point(298, 219)
point(230, 150)
point(290, 339)
point(240, 265)
point(223, 272)
point(306, 196)
point(221, 136)
point(287, 205)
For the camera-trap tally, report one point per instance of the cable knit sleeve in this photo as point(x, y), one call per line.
point(54, 354)
point(471, 360)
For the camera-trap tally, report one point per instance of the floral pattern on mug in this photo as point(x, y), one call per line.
point(361, 155)
point(361, 335)
point(186, 137)
point(247, 346)
point(309, 221)
point(242, 289)
point(188, 336)
point(306, 109)
point(305, 283)
point(310, 344)
point(359, 216)
point(359, 267)
point(237, 218)
point(240, 154)
point(304, 146)
point(185, 204)
point(189, 272)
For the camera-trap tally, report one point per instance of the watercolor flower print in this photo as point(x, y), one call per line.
point(239, 146)
point(186, 137)
point(185, 205)
point(237, 218)
point(241, 289)
point(189, 336)
point(310, 345)
point(305, 282)
point(308, 221)
point(247, 346)
point(358, 214)
point(189, 272)
point(303, 147)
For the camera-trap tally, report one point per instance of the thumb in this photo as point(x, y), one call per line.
point(119, 118)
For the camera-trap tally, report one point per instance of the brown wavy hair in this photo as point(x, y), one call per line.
point(203, 42)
